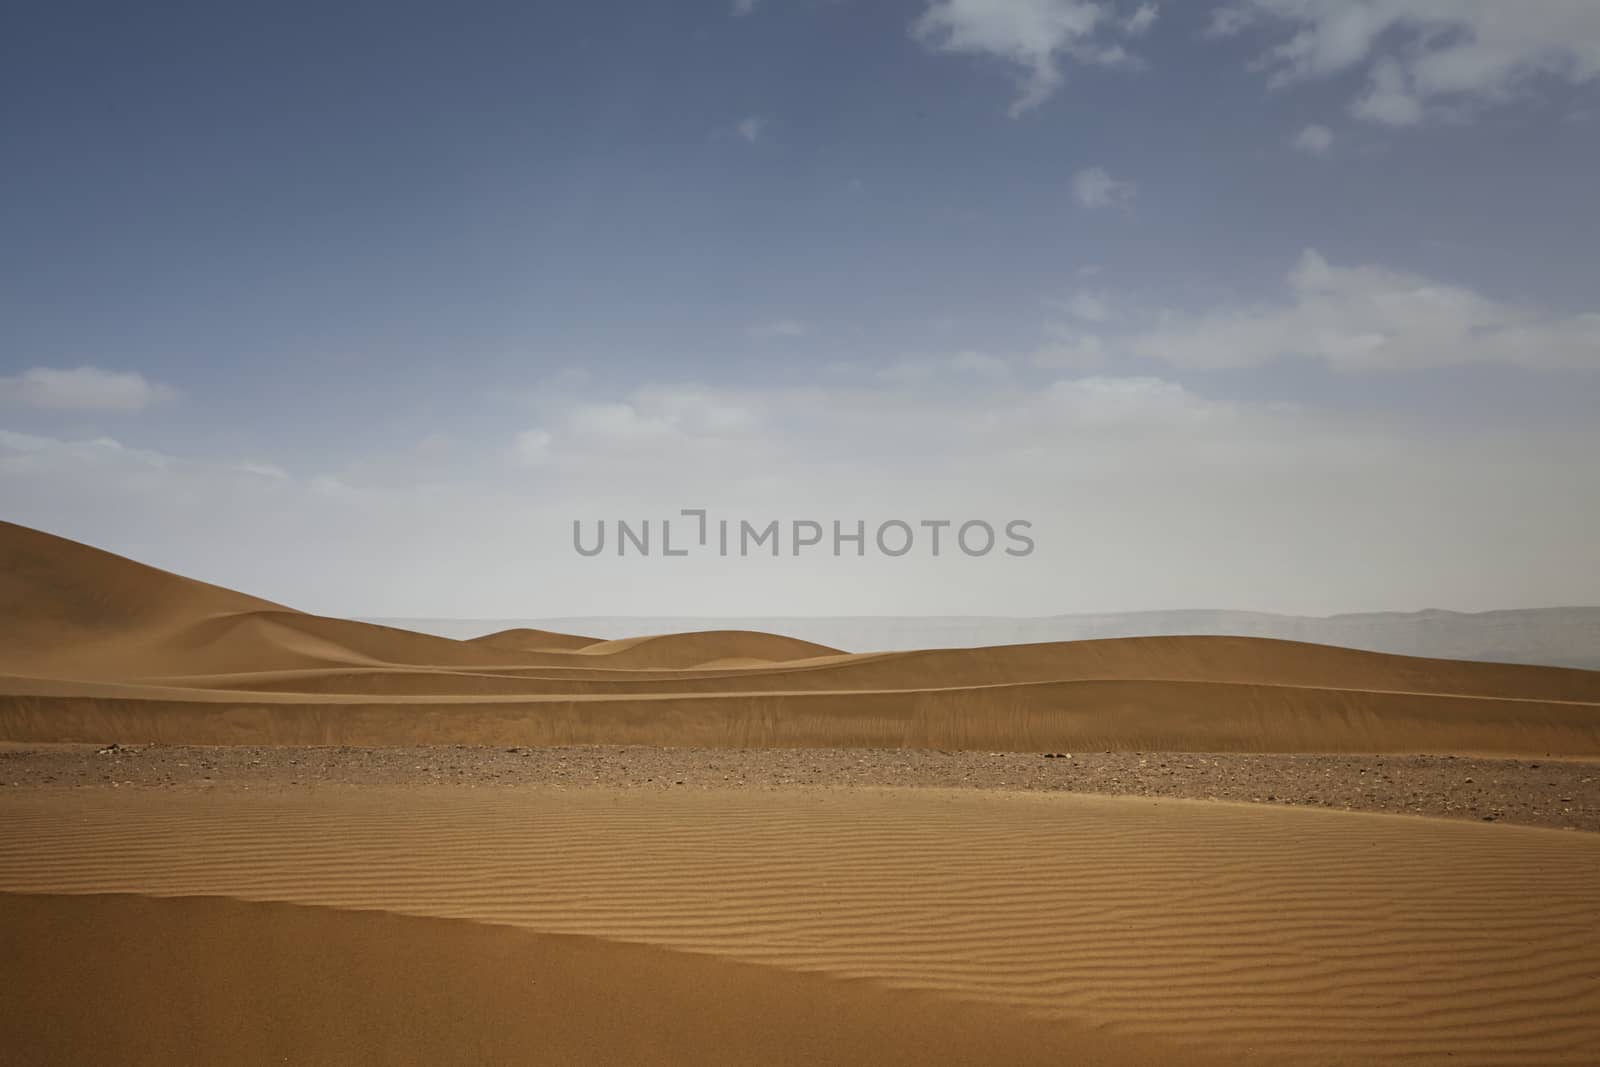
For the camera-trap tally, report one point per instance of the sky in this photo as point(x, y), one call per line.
point(1283, 305)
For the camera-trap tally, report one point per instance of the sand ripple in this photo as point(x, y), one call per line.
point(1305, 936)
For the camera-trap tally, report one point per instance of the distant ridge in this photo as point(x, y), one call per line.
point(1557, 637)
point(101, 649)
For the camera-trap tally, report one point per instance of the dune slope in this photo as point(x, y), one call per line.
point(140, 980)
point(104, 649)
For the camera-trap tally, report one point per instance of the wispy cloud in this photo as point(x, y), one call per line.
point(1141, 20)
point(1034, 35)
point(1085, 305)
point(1375, 318)
point(83, 389)
point(751, 127)
point(1095, 188)
point(1314, 140)
point(1422, 57)
point(777, 328)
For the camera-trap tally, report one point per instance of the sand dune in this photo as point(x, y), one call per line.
point(706, 647)
point(1556, 637)
point(524, 639)
point(103, 649)
point(53, 588)
point(1297, 936)
point(272, 984)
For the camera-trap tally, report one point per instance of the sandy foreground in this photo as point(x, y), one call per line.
point(232, 832)
point(348, 987)
point(853, 925)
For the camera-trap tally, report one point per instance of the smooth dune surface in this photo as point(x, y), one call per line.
point(160, 981)
point(1290, 935)
point(100, 648)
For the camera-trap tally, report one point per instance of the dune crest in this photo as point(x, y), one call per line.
point(525, 639)
point(702, 648)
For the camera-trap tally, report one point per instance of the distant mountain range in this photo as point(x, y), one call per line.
point(1563, 637)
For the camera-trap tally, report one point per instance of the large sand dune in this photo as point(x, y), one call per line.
point(101, 648)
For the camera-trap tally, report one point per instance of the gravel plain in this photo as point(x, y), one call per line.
point(1549, 793)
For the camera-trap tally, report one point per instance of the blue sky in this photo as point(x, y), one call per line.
point(282, 285)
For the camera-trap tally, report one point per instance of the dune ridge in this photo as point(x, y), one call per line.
point(100, 648)
point(527, 639)
point(1553, 636)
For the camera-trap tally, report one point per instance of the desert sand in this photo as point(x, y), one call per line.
point(1288, 935)
point(100, 648)
point(164, 904)
point(333, 986)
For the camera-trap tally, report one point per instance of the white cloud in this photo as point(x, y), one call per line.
point(25, 445)
point(777, 328)
point(1034, 35)
point(1104, 401)
point(116, 469)
point(1314, 140)
point(436, 445)
point(617, 422)
point(1141, 20)
point(83, 389)
point(531, 447)
point(1390, 97)
point(742, 8)
point(1094, 188)
point(1371, 317)
point(1418, 53)
point(967, 363)
point(701, 411)
point(980, 363)
point(750, 127)
point(1069, 347)
point(665, 423)
point(1090, 307)
point(1070, 351)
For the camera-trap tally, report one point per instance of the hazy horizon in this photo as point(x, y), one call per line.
point(1054, 615)
point(1562, 637)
